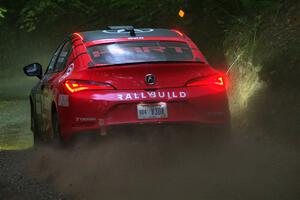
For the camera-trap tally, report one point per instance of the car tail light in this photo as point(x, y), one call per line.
point(215, 80)
point(77, 85)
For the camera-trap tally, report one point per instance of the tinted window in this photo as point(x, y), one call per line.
point(63, 56)
point(53, 60)
point(134, 52)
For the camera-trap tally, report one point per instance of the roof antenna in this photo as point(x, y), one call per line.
point(131, 31)
point(125, 28)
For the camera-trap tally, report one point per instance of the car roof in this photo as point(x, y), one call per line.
point(114, 33)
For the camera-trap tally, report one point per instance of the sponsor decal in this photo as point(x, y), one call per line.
point(135, 38)
point(63, 100)
point(117, 49)
point(85, 119)
point(152, 95)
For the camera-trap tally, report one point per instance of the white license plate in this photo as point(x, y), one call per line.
point(152, 111)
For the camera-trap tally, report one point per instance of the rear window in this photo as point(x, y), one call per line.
point(136, 52)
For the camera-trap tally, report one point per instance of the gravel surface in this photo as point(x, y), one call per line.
point(245, 168)
point(15, 184)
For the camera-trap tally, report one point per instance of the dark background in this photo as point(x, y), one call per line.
point(30, 30)
point(257, 42)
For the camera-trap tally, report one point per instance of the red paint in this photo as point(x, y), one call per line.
point(178, 32)
point(79, 35)
point(110, 94)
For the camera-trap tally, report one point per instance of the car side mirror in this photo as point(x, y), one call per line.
point(34, 69)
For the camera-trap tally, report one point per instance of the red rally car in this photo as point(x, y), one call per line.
point(123, 75)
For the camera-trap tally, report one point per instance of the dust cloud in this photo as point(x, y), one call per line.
point(125, 168)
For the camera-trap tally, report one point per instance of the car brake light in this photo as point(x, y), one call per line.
point(217, 80)
point(76, 86)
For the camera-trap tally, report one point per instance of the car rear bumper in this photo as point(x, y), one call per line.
point(97, 111)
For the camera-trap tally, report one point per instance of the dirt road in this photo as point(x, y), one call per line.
point(261, 162)
point(247, 168)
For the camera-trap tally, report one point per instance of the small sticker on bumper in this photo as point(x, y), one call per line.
point(63, 100)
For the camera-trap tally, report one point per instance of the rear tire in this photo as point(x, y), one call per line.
point(57, 140)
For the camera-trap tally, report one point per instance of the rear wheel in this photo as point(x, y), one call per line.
point(56, 136)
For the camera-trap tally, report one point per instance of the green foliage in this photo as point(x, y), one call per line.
point(132, 5)
point(32, 13)
point(47, 12)
point(2, 11)
point(15, 132)
point(208, 22)
point(37, 12)
point(263, 52)
point(256, 6)
point(241, 45)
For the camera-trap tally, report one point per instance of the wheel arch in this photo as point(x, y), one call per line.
point(53, 107)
